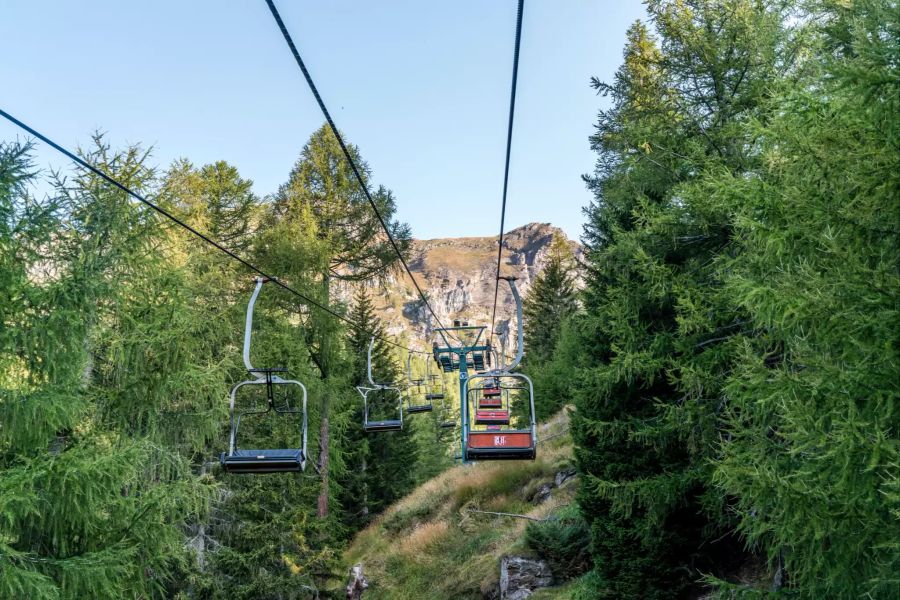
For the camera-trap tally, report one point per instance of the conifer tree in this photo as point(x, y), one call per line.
point(550, 301)
point(92, 507)
point(322, 186)
point(378, 464)
point(811, 450)
point(658, 335)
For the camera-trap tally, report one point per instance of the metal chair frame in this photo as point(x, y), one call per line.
point(266, 377)
point(364, 391)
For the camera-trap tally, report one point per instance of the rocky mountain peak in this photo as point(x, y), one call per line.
point(458, 276)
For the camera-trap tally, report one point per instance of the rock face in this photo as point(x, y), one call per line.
point(519, 577)
point(458, 275)
point(358, 583)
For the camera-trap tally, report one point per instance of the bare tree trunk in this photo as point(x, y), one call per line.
point(324, 427)
point(322, 506)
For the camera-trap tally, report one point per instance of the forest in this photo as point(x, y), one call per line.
point(727, 349)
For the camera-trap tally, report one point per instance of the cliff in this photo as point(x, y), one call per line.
point(458, 276)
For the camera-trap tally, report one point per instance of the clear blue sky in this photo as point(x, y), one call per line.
point(422, 87)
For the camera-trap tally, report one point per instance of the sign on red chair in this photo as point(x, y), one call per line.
point(499, 439)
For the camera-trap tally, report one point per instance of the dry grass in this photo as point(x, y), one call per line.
point(428, 545)
point(423, 537)
point(457, 259)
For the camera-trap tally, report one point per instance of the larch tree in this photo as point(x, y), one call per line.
point(658, 336)
point(811, 451)
point(323, 186)
point(93, 505)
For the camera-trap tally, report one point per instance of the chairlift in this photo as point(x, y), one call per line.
point(499, 441)
point(281, 460)
point(435, 384)
point(417, 388)
point(380, 395)
point(435, 390)
point(493, 410)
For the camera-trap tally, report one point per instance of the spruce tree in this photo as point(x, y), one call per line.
point(550, 301)
point(378, 464)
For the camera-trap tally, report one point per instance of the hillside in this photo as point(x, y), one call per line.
point(436, 544)
point(458, 274)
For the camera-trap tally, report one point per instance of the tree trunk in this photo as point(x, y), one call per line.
point(322, 506)
point(324, 427)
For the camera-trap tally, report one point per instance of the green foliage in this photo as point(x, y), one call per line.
point(378, 463)
point(734, 369)
point(550, 301)
point(91, 507)
point(121, 335)
point(812, 453)
point(563, 541)
point(657, 336)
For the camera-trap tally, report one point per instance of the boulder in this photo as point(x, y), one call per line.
point(358, 583)
point(564, 476)
point(520, 577)
point(543, 493)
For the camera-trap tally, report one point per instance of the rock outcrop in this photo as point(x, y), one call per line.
point(458, 275)
point(520, 577)
point(358, 583)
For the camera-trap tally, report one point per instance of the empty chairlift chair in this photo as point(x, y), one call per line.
point(493, 410)
point(491, 395)
point(264, 460)
point(416, 389)
point(499, 441)
point(435, 392)
point(376, 397)
point(434, 384)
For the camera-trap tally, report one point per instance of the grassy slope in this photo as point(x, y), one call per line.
point(430, 546)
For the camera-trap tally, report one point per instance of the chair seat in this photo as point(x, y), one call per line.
point(263, 461)
point(390, 425)
point(500, 453)
point(490, 403)
point(491, 417)
point(419, 408)
point(448, 424)
point(434, 396)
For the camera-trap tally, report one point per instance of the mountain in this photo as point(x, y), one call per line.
point(458, 276)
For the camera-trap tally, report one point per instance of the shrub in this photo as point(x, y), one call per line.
point(564, 542)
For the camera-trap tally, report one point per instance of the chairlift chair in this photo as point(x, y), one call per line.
point(380, 394)
point(417, 387)
point(263, 460)
point(493, 410)
point(498, 441)
point(435, 384)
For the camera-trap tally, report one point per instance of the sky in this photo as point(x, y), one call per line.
point(422, 87)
